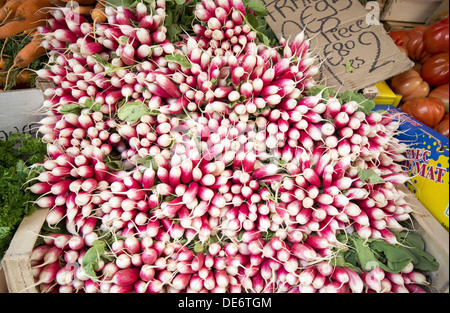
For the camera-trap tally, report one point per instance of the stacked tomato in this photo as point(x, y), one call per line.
point(425, 88)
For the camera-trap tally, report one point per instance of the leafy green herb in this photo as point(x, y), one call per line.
point(18, 156)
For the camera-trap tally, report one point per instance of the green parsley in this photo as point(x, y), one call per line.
point(18, 154)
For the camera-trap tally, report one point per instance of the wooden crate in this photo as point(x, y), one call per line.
point(19, 276)
point(15, 262)
point(44, 84)
point(439, 12)
point(394, 26)
point(436, 240)
point(410, 11)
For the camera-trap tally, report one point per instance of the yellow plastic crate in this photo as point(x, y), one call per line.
point(386, 95)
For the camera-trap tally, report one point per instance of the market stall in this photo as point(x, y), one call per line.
point(226, 146)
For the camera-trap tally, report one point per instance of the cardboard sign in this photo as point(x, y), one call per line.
point(354, 52)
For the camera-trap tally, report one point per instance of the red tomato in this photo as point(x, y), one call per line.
point(435, 70)
point(420, 29)
point(400, 37)
point(416, 49)
point(410, 85)
point(429, 111)
point(436, 37)
point(441, 92)
point(443, 128)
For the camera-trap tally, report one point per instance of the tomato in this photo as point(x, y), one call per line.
point(429, 111)
point(410, 85)
point(443, 128)
point(416, 49)
point(435, 70)
point(436, 37)
point(400, 37)
point(441, 92)
point(420, 29)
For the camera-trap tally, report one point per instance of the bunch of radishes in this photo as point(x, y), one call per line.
point(206, 165)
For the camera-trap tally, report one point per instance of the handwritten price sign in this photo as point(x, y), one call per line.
point(352, 46)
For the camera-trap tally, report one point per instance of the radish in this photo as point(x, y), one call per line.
point(267, 170)
point(412, 288)
point(51, 256)
point(416, 278)
point(226, 154)
point(126, 276)
point(303, 251)
point(307, 276)
point(38, 253)
point(47, 274)
point(66, 274)
point(180, 281)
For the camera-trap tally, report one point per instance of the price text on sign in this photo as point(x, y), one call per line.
point(353, 48)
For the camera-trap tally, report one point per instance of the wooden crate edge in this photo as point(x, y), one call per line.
point(436, 240)
point(16, 264)
point(19, 278)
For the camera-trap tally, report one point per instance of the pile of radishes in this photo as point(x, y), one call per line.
point(205, 165)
